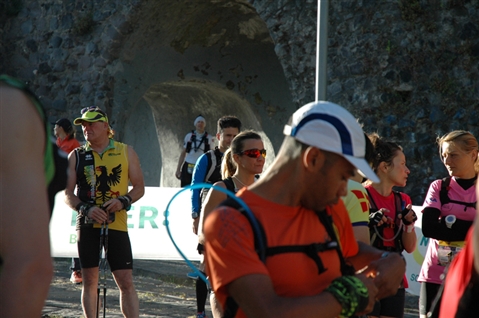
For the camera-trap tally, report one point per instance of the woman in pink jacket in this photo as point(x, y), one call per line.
point(449, 209)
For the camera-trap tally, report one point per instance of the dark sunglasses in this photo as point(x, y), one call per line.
point(254, 153)
point(92, 109)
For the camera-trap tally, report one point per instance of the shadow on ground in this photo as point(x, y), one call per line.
point(162, 286)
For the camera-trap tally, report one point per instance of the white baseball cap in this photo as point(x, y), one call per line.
point(330, 127)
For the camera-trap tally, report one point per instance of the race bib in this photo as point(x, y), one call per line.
point(447, 251)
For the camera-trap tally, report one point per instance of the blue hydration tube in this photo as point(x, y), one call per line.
point(248, 214)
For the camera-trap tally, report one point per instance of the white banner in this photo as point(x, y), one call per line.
point(148, 235)
point(150, 240)
point(415, 259)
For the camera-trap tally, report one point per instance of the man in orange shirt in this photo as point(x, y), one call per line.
point(307, 232)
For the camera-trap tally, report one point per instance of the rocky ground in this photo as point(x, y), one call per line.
point(163, 290)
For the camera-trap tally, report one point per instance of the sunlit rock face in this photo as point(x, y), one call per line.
point(406, 69)
point(153, 66)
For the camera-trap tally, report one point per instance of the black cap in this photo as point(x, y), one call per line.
point(65, 124)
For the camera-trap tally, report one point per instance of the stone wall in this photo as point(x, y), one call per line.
point(407, 69)
point(214, 57)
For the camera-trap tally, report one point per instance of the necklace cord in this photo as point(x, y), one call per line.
point(244, 185)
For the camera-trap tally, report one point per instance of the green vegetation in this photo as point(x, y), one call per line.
point(388, 47)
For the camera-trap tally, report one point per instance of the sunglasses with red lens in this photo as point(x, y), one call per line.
point(254, 153)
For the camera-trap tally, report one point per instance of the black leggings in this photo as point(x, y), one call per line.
point(201, 294)
point(426, 296)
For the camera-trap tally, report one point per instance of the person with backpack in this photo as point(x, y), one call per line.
point(448, 212)
point(241, 166)
point(460, 297)
point(292, 252)
point(208, 166)
point(356, 199)
point(398, 233)
point(207, 169)
point(99, 177)
point(196, 143)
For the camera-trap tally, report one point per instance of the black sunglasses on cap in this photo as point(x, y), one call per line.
point(92, 109)
point(254, 153)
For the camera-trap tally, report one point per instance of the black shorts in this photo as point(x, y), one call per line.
point(200, 248)
point(186, 177)
point(391, 306)
point(119, 253)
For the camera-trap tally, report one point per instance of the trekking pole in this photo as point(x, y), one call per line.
point(100, 263)
point(102, 268)
point(105, 248)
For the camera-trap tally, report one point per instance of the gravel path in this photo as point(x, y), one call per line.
point(162, 286)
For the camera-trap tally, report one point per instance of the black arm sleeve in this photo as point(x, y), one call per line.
point(437, 229)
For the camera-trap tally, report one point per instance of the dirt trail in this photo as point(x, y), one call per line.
point(162, 286)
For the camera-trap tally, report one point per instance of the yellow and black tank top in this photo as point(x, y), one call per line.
point(101, 177)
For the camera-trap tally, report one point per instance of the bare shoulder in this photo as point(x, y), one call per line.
point(133, 158)
point(131, 150)
point(21, 151)
point(18, 139)
point(220, 184)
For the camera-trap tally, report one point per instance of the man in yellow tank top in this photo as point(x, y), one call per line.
point(100, 171)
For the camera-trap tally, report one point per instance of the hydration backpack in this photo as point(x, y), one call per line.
point(311, 250)
point(379, 243)
point(444, 197)
point(213, 170)
point(193, 140)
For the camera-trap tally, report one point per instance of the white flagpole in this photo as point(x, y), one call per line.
point(321, 49)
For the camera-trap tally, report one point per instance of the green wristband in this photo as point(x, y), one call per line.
point(351, 294)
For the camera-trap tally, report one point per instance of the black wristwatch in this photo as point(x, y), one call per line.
point(194, 215)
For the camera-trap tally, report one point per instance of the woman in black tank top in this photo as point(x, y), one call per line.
point(241, 164)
